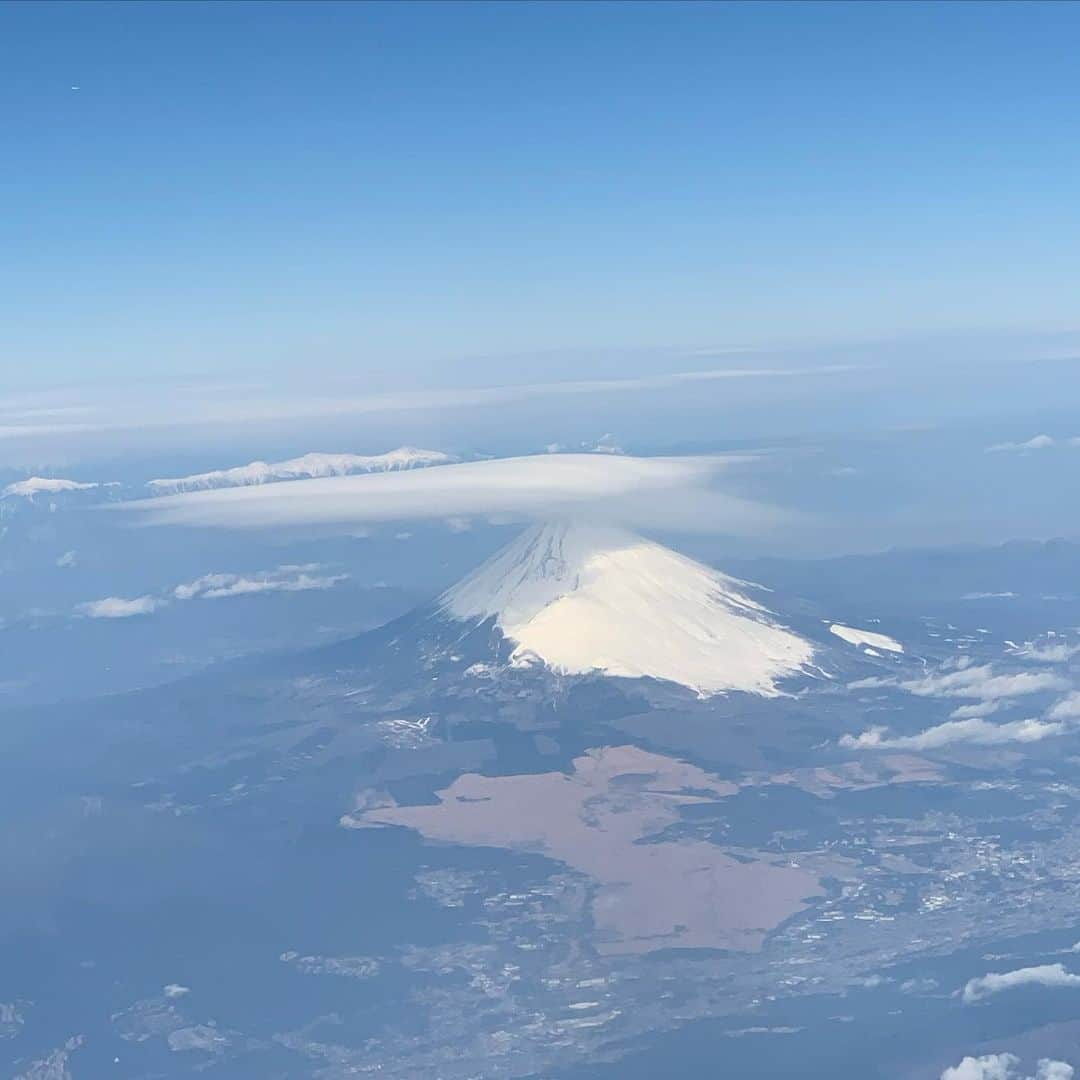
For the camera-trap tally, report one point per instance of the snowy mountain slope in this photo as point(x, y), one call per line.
point(585, 598)
point(305, 467)
point(43, 485)
point(854, 636)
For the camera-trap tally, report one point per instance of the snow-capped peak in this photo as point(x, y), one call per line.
point(44, 485)
point(306, 467)
point(584, 598)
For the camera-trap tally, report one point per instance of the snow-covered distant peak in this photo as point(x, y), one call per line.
point(302, 468)
point(44, 485)
point(868, 639)
point(585, 598)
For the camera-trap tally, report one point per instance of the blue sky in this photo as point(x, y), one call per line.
point(395, 189)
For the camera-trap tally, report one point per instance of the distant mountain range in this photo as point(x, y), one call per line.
point(302, 468)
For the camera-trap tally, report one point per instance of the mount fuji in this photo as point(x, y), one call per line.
point(582, 599)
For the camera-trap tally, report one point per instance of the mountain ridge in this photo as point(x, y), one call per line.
point(309, 466)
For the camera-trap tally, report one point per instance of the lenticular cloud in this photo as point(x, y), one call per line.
point(672, 492)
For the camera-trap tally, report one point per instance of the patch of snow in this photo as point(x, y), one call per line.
point(583, 598)
point(202, 1037)
point(11, 1018)
point(55, 1065)
point(308, 466)
point(866, 637)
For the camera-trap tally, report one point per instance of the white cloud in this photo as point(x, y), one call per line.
point(980, 708)
point(1050, 975)
point(643, 492)
point(1047, 651)
point(1038, 442)
point(979, 681)
point(67, 559)
point(975, 731)
point(987, 1067)
point(1004, 1067)
point(200, 405)
point(1068, 708)
point(285, 578)
point(175, 990)
point(975, 681)
point(874, 682)
point(1053, 1070)
point(282, 579)
point(116, 607)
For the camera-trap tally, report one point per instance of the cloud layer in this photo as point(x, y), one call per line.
point(636, 492)
point(201, 404)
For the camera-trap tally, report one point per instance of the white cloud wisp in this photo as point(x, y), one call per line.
point(286, 578)
point(1050, 975)
point(116, 607)
point(975, 731)
point(198, 404)
point(283, 579)
point(968, 723)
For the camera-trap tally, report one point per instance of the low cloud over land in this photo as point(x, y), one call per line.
point(1052, 975)
point(1006, 1067)
point(976, 731)
point(116, 607)
point(286, 578)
